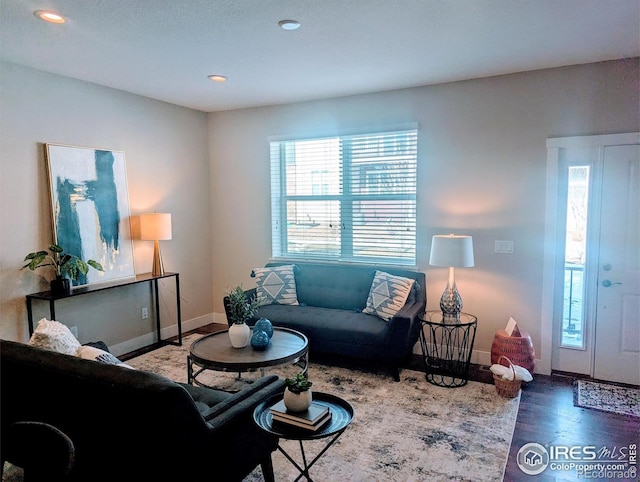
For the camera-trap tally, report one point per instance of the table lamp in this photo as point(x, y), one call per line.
point(453, 252)
point(156, 227)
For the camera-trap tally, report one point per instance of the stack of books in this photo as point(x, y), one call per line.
point(311, 419)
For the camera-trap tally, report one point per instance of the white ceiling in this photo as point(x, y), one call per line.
point(164, 49)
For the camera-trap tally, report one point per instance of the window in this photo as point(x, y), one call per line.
point(346, 198)
point(575, 255)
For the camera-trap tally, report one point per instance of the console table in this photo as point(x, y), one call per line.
point(83, 290)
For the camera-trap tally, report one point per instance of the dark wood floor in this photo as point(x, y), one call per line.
point(547, 416)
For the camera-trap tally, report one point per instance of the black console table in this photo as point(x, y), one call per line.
point(83, 290)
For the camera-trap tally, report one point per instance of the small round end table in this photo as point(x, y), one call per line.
point(446, 348)
point(341, 416)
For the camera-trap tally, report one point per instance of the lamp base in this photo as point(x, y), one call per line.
point(158, 267)
point(451, 304)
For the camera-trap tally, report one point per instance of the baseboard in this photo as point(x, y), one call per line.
point(220, 318)
point(480, 357)
point(133, 344)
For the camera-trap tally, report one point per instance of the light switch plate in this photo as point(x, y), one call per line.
point(503, 247)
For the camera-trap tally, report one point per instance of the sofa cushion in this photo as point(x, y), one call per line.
point(328, 325)
point(276, 285)
point(54, 336)
point(387, 295)
point(342, 287)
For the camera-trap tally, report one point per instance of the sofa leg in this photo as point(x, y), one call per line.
point(267, 470)
point(395, 373)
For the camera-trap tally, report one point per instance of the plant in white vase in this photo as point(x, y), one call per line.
point(297, 394)
point(240, 310)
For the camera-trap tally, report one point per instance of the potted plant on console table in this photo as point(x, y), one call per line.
point(240, 310)
point(65, 266)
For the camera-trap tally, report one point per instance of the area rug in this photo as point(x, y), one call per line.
point(606, 397)
point(408, 430)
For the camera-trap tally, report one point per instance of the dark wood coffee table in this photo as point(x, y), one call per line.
point(215, 352)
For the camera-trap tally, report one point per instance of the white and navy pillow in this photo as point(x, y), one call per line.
point(96, 354)
point(387, 295)
point(276, 285)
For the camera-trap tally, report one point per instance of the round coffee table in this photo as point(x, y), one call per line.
point(215, 352)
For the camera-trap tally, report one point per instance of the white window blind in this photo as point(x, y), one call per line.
point(346, 198)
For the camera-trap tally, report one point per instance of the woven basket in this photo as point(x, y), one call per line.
point(507, 388)
point(519, 349)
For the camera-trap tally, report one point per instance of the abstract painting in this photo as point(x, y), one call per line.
point(90, 209)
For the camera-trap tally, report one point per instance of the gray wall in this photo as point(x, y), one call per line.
point(167, 171)
point(482, 167)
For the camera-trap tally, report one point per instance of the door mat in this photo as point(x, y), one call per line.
point(606, 397)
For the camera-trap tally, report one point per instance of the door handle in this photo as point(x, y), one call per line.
point(607, 283)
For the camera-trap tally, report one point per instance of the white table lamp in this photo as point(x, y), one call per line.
point(156, 227)
point(451, 251)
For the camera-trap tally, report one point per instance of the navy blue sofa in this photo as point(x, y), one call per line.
point(332, 298)
point(132, 425)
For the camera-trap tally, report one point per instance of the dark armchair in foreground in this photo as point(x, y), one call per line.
point(132, 425)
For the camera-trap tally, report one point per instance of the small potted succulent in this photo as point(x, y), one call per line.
point(65, 266)
point(297, 394)
point(241, 309)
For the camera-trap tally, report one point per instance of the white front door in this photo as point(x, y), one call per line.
point(591, 285)
point(617, 331)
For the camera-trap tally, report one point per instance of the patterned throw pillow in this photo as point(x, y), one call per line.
point(96, 354)
point(54, 336)
point(387, 295)
point(276, 285)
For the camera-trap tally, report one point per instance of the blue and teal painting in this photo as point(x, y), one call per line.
point(91, 209)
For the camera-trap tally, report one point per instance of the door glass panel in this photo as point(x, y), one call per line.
point(575, 254)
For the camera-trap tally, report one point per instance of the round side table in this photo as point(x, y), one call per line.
point(342, 414)
point(446, 348)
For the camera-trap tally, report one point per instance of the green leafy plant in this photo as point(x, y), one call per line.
point(240, 308)
point(298, 383)
point(63, 264)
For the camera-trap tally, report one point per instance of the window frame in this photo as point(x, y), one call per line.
point(399, 147)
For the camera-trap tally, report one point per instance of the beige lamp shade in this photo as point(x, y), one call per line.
point(451, 250)
point(155, 226)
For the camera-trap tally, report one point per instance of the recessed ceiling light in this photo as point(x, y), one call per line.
point(289, 24)
point(217, 78)
point(49, 16)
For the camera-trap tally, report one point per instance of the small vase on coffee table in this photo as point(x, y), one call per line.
point(239, 334)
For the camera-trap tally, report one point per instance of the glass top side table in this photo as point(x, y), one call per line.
point(446, 348)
